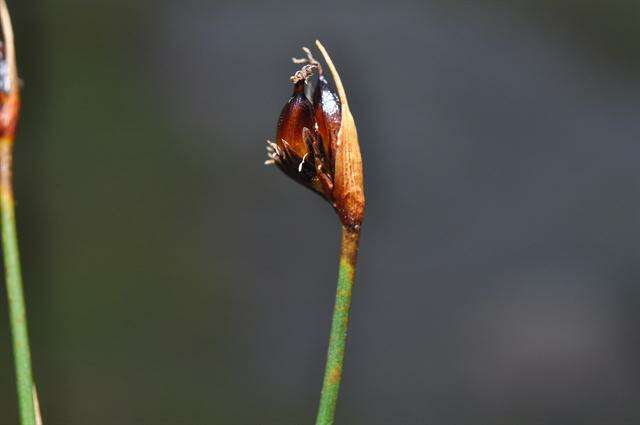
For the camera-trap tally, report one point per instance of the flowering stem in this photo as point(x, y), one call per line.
point(9, 112)
point(13, 276)
point(339, 324)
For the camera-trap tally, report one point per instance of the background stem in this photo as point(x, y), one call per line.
point(339, 324)
point(13, 277)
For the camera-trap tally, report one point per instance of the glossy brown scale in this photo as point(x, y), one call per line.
point(326, 106)
point(294, 151)
point(9, 99)
point(10, 105)
point(296, 115)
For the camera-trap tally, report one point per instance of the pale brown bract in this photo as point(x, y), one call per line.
point(348, 190)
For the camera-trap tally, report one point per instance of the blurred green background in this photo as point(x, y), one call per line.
point(172, 279)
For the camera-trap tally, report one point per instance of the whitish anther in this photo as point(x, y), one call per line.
point(302, 162)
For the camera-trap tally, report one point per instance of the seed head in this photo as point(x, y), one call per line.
point(9, 84)
point(317, 143)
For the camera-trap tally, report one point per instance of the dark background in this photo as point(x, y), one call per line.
point(173, 279)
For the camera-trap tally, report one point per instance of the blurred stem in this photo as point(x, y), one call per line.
point(9, 112)
point(13, 276)
point(339, 324)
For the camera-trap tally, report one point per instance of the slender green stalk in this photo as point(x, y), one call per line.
point(13, 276)
point(339, 325)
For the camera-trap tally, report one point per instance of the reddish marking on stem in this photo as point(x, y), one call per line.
point(335, 375)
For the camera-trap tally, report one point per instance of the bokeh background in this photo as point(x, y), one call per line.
point(173, 279)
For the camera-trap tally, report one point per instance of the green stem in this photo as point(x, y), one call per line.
point(13, 276)
point(339, 324)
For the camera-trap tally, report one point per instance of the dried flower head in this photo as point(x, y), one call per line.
point(317, 143)
point(9, 82)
